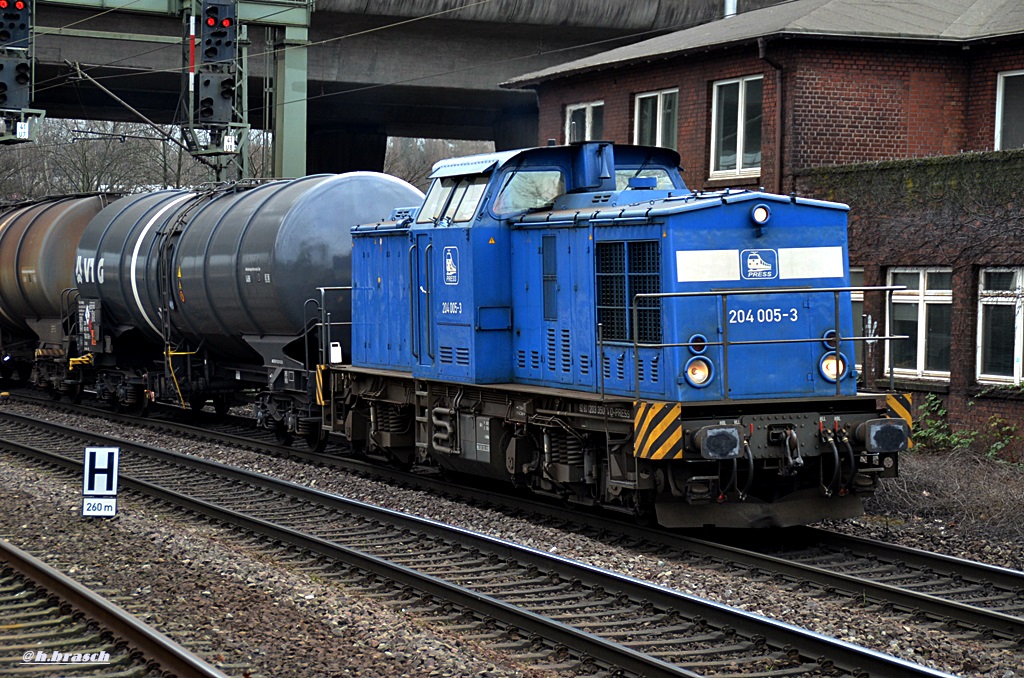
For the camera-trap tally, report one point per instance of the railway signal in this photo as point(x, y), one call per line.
point(15, 82)
point(15, 23)
point(219, 32)
point(216, 98)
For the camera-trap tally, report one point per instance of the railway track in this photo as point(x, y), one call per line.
point(50, 621)
point(956, 594)
point(563, 615)
point(953, 593)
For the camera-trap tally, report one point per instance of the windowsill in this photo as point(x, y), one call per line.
point(901, 383)
point(1001, 391)
point(715, 182)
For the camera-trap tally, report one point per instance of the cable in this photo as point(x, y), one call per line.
point(256, 21)
point(594, 43)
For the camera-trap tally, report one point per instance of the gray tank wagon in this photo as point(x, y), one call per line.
point(38, 243)
point(193, 296)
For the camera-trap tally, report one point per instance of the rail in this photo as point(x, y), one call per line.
point(169, 655)
point(725, 343)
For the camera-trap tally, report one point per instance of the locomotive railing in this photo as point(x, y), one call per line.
point(326, 324)
point(725, 343)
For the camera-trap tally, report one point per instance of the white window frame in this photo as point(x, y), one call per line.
point(1000, 81)
point(1015, 298)
point(857, 296)
point(658, 123)
point(740, 170)
point(923, 298)
point(589, 129)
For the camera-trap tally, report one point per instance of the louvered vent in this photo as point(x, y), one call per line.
point(566, 352)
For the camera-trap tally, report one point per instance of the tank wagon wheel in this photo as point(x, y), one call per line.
point(221, 404)
point(73, 392)
point(6, 373)
point(24, 373)
point(197, 403)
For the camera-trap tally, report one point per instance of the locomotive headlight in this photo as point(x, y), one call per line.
point(699, 372)
point(698, 344)
point(760, 214)
point(832, 366)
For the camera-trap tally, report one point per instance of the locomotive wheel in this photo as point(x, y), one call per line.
point(317, 440)
point(284, 437)
point(73, 393)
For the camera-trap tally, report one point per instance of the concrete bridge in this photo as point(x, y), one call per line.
point(334, 83)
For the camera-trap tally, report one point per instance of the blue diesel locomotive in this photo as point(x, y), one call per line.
point(575, 321)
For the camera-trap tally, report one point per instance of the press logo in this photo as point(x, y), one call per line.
point(759, 264)
point(58, 658)
point(451, 265)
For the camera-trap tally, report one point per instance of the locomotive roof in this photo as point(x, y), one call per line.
point(483, 162)
point(941, 21)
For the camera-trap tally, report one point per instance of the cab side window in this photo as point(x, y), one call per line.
point(529, 190)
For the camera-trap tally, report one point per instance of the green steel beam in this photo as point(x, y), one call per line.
point(107, 35)
point(290, 88)
point(264, 13)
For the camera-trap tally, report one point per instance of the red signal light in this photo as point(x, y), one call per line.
point(226, 23)
point(20, 4)
point(3, 4)
point(211, 21)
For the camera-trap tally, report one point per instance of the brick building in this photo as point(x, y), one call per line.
point(910, 112)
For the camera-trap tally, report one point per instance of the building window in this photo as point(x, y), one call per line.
point(1000, 295)
point(624, 270)
point(923, 312)
point(1010, 110)
point(657, 118)
point(584, 122)
point(736, 130)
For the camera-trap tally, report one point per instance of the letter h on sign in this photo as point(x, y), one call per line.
point(100, 471)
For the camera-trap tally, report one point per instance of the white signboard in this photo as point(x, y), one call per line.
point(99, 481)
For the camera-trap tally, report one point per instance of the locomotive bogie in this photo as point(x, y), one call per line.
point(772, 469)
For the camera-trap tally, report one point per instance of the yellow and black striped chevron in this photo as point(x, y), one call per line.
point(49, 353)
point(657, 431)
point(901, 405)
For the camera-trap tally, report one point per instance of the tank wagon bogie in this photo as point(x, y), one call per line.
point(576, 321)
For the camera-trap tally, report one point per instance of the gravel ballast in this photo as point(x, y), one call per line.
point(347, 620)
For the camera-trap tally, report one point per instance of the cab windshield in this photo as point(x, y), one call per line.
point(452, 199)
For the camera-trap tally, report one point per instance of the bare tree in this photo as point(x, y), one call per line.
point(412, 159)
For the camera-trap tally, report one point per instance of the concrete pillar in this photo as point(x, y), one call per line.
point(290, 62)
point(345, 149)
point(516, 129)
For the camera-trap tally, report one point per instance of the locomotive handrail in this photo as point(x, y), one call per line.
point(725, 343)
point(428, 268)
point(325, 319)
point(412, 303)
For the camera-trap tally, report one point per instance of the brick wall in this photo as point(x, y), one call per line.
point(860, 103)
point(844, 102)
point(617, 87)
